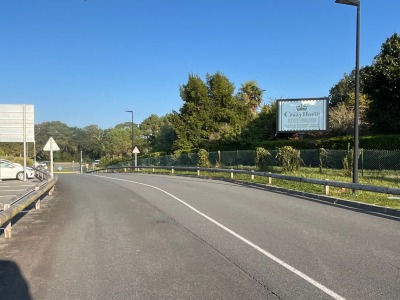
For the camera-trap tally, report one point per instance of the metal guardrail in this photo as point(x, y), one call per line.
point(326, 183)
point(19, 204)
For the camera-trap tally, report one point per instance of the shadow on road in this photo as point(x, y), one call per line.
point(12, 283)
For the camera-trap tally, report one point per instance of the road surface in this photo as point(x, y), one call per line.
point(134, 236)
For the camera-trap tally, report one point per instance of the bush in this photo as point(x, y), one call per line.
point(262, 160)
point(323, 159)
point(289, 158)
point(348, 163)
point(203, 160)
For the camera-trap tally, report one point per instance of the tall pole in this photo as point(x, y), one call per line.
point(357, 101)
point(132, 136)
point(357, 90)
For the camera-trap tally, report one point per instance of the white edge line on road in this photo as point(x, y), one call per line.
point(251, 244)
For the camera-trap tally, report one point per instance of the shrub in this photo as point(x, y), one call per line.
point(203, 160)
point(348, 163)
point(262, 160)
point(289, 158)
point(323, 159)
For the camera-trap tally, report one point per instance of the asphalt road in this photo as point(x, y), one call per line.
point(120, 236)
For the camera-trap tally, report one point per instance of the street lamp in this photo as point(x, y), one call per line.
point(357, 89)
point(132, 136)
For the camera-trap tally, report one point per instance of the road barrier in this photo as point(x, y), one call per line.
point(20, 203)
point(325, 183)
point(270, 176)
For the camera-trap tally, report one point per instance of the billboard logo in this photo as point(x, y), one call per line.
point(301, 107)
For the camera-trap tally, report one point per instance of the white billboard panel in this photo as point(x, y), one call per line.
point(15, 120)
point(302, 115)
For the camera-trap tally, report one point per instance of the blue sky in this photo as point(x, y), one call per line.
point(86, 62)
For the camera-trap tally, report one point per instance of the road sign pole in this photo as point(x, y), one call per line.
point(135, 161)
point(51, 164)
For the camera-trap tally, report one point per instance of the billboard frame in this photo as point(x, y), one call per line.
point(300, 118)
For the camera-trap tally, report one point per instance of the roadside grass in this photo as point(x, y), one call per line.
point(381, 178)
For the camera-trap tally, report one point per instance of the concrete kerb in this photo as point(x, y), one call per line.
point(359, 206)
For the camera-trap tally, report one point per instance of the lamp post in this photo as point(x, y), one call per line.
point(357, 89)
point(132, 136)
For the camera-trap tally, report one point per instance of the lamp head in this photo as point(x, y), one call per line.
point(349, 2)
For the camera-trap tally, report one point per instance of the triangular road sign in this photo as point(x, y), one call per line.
point(51, 145)
point(136, 151)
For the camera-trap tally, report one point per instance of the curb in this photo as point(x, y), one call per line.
point(359, 206)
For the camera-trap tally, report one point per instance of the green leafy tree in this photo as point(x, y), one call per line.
point(95, 138)
point(165, 138)
point(193, 122)
point(62, 134)
point(210, 113)
point(262, 127)
point(118, 141)
point(382, 85)
point(341, 101)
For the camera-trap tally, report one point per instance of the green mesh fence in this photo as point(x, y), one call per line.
point(332, 159)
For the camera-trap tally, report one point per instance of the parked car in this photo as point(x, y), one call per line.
point(10, 170)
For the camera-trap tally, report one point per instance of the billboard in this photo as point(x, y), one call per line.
point(17, 121)
point(302, 115)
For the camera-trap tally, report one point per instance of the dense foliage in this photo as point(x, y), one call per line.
point(216, 117)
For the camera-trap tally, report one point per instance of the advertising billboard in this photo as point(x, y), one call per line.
point(302, 115)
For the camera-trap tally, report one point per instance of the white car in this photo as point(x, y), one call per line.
point(10, 170)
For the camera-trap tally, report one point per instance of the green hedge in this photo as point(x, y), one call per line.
point(379, 142)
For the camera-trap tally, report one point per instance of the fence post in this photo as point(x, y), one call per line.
point(252, 175)
point(326, 187)
point(231, 174)
point(269, 178)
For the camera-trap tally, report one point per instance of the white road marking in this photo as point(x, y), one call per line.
point(251, 244)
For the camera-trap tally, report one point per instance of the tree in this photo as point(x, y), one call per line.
point(211, 112)
point(165, 138)
point(262, 127)
point(193, 122)
point(62, 134)
point(252, 95)
point(341, 102)
point(95, 137)
point(382, 85)
point(118, 141)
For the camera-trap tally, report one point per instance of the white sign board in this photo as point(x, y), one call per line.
point(51, 145)
point(15, 121)
point(302, 115)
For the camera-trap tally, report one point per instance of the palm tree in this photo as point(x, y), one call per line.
point(252, 95)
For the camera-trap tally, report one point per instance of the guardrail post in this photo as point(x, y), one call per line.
point(7, 226)
point(326, 187)
point(198, 171)
point(269, 178)
point(37, 204)
point(231, 174)
point(252, 175)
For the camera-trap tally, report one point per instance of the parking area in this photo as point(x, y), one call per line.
point(11, 188)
